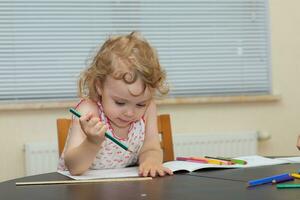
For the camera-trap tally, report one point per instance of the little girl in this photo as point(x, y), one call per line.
point(117, 92)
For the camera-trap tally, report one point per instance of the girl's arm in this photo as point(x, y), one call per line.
point(151, 157)
point(85, 139)
point(298, 142)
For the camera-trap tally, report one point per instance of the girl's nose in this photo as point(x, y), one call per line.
point(130, 112)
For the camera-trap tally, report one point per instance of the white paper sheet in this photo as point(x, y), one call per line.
point(255, 161)
point(104, 173)
point(294, 159)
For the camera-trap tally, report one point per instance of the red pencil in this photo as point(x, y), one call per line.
point(191, 159)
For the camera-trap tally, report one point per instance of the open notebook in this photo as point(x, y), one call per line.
point(252, 161)
point(175, 166)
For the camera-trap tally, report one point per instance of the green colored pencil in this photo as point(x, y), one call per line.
point(237, 161)
point(286, 186)
point(120, 144)
point(75, 112)
point(116, 141)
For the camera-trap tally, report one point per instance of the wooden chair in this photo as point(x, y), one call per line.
point(62, 126)
point(164, 128)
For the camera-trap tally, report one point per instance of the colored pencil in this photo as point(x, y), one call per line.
point(75, 112)
point(269, 179)
point(283, 179)
point(190, 159)
point(223, 160)
point(201, 160)
point(234, 161)
point(295, 175)
point(120, 144)
point(83, 181)
point(211, 161)
point(287, 186)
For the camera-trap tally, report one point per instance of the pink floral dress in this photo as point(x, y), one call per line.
point(111, 155)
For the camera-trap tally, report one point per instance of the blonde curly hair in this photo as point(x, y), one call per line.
point(126, 57)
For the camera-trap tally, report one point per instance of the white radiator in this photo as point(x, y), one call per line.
point(43, 157)
point(230, 144)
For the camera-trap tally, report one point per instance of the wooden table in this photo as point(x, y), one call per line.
point(206, 184)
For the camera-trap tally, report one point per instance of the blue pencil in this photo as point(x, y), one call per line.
point(270, 179)
point(283, 179)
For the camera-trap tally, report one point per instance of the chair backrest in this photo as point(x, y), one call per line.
point(164, 128)
point(63, 126)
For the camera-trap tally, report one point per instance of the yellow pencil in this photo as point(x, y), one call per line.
point(209, 161)
point(216, 162)
point(295, 175)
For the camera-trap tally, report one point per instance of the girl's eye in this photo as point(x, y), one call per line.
point(119, 103)
point(141, 105)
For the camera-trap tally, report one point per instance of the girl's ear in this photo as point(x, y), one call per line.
point(99, 91)
point(98, 88)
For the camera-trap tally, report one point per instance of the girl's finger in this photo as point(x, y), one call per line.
point(86, 118)
point(93, 121)
point(153, 172)
point(140, 171)
point(103, 129)
point(98, 126)
point(168, 171)
point(160, 172)
point(145, 172)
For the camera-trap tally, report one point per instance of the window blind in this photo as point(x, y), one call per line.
point(208, 47)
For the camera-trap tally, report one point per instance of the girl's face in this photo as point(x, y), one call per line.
point(124, 103)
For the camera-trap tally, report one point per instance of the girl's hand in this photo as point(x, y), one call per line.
point(152, 168)
point(93, 128)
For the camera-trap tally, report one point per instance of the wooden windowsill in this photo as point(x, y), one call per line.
point(167, 101)
point(220, 99)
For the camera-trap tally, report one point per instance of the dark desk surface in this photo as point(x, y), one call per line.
point(180, 186)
